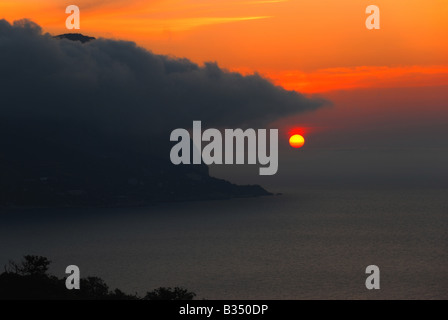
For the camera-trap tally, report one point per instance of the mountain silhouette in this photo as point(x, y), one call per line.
point(41, 168)
point(58, 161)
point(75, 37)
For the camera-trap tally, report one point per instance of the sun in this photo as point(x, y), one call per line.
point(296, 141)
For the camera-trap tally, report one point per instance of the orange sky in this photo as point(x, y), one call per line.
point(307, 45)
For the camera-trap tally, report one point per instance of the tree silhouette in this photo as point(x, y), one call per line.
point(94, 287)
point(31, 265)
point(176, 293)
point(29, 279)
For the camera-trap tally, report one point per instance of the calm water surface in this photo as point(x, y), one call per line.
point(307, 244)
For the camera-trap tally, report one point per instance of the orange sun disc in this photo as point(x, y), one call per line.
point(296, 141)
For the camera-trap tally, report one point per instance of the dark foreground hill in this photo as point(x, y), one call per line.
point(30, 280)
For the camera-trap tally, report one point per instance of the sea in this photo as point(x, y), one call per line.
point(309, 243)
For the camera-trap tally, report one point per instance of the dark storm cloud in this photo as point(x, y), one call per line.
point(116, 86)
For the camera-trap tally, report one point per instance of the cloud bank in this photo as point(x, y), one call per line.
point(119, 88)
